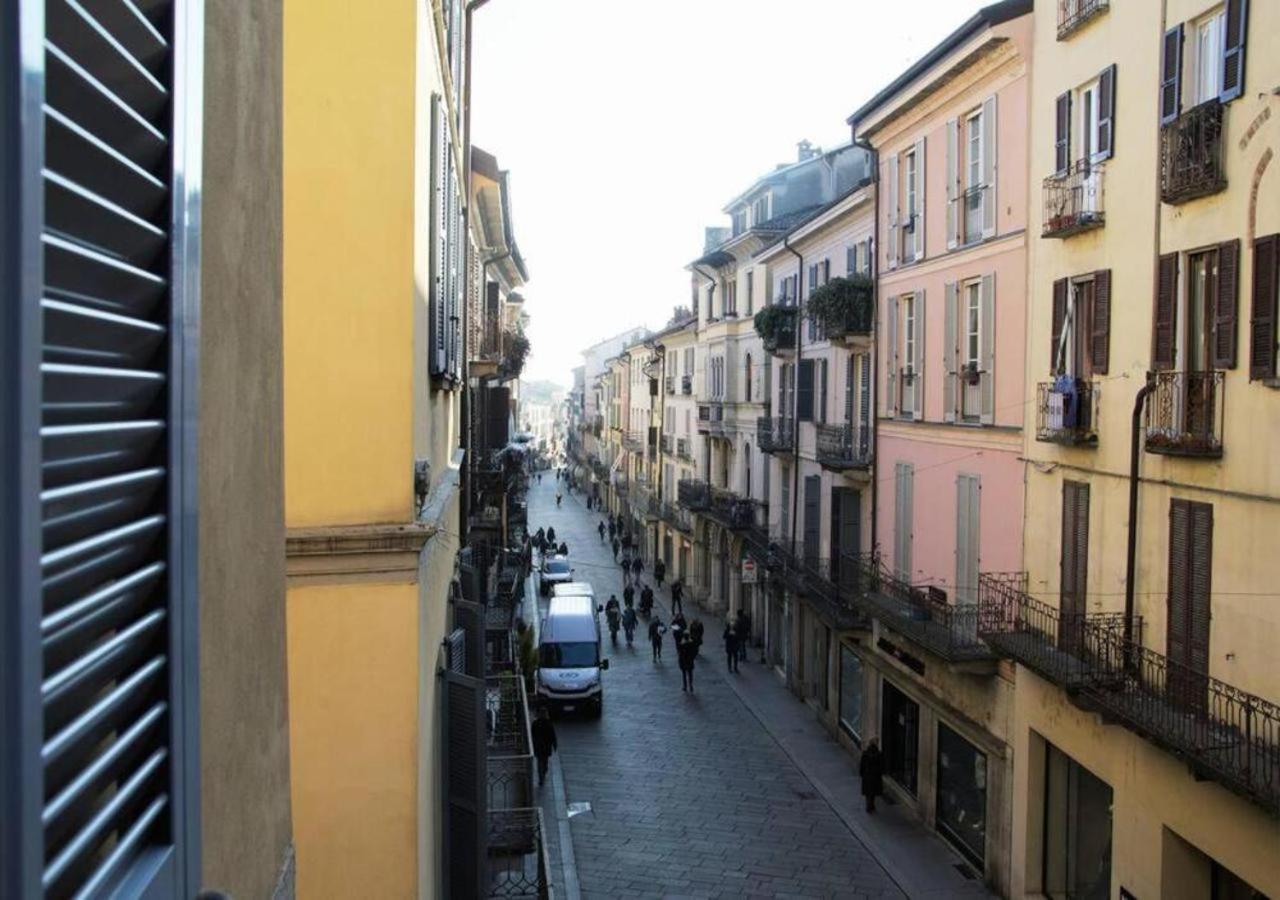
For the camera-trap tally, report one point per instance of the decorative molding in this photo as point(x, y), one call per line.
point(341, 554)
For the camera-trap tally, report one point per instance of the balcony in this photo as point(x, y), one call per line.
point(646, 503)
point(730, 510)
point(776, 326)
point(844, 447)
point(844, 308)
point(693, 495)
point(1075, 14)
point(682, 449)
point(775, 434)
point(1191, 154)
point(1184, 414)
point(711, 417)
point(686, 384)
point(508, 741)
point(1223, 733)
point(1066, 412)
point(1074, 200)
point(664, 443)
point(677, 517)
point(518, 864)
point(669, 384)
point(923, 615)
point(633, 441)
point(835, 588)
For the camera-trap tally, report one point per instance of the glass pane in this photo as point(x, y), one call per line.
point(1077, 840)
point(962, 793)
point(850, 692)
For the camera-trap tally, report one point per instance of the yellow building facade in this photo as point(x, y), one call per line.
point(1146, 734)
point(373, 163)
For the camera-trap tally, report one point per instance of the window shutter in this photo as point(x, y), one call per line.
point(440, 154)
point(1171, 75)
point(1062, 132)
point(1074, 574)
point(1200, 588)
point(99, 720)
point(1262, 324)
point(990, 148)
point(1224, 320)
point(950, 386)
point(1057, 359)
point(1106, 112)
point(921, 355)
point(826, 271)
point(465, 773)
point(822, 392)
point(895, 238)
point(1166, 306)
point(1100, 340)
point(891, 404)
point(953, 184)
point(1176, 637)
point(804, 394)
point(864, 405)
point(851, 258)
point(1233, 41)
point(987, 350)
point(851, 362)
point(870, 258)
point(917, 225)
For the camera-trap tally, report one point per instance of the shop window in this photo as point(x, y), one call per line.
point(851, 693)
point(962, 794)
point(900, 731)
point(1077, 836)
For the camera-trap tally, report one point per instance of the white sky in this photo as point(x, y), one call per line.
point(627, 126)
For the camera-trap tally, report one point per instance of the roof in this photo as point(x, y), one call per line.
point(781, 171)
point(773, 229)
point(987, 17)
point(814, 214)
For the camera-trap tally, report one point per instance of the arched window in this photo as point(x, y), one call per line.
point(748, 379)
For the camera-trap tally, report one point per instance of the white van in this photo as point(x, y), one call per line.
point(569, 663)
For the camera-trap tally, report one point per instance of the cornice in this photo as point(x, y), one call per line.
point(339, 554)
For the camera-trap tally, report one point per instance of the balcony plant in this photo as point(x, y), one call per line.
point(775, 324)
point(516, 347)
point(843, 305)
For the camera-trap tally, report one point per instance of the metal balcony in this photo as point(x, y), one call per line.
point(518, 865)
point(730, 510)
point(1184, 414)
point(775, 434)
point(834, 587)
point(844, 447)
point(694, 495)
point(1221, 732)
point(711, 417)
point(1075, 14)
point(682, 449)
point(1074, 200)
point(508, 742)
point(1066, 412)
point(1191, 154)
point(633, 441)
point(677, 517)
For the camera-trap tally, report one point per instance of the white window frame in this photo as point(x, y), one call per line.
point(906, 403)
point(910, 175)
point(1204, 50)
point(971, 347)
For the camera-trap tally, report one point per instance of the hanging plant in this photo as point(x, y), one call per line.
point(775, 324)
point(844, 305)
point(516, 350)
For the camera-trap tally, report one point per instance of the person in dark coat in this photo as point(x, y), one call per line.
point(600, 529)
point(613, 532)
point(615, 548)
point(656, 631)
point(687, 652)
point(564, 549)
point(677, 596)
point(646, 597)
point(544, 742)
point(696, 630)
point(551, 535)
point(871, 770)
point(628, 595)
point(659, 571)
point(742, 625)
point(731, 646)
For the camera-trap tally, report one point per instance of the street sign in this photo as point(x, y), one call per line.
point(748, 571)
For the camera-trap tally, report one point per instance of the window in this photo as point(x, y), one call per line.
point(907, 404)
point(851, 693)
point(739, 222)
point(962, 794)
point(970, 342)
point(731, 296)
point(1077, 830)
point(910, 225)
point(973, 179)
point(1265, 298)
point(747, 381)
point(1205, 60)
point(762, 208)
point(751, 293)
point(784, 486)
point(1195, 320)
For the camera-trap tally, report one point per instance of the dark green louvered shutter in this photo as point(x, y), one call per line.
point(98, 701)
point(465, 773)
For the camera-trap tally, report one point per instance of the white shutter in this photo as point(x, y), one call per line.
point(439, 267)
point(967, 520)
point(895, 239)
point(918, 212)
point(949, 386)
point(891, 357)
point(987, 351)
point(921, 355)
point(989, 167)
point(953, 184)
point(903, 515)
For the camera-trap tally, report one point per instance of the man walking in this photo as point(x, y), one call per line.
point(687, 652)
point(613, 532)
point(731, 646)
point(544, 742)
point(659, 571)
point(656, 631)
point(677, 597)
point(615, 547)
point(742, 625)
point(871, 771)
point(637, 565)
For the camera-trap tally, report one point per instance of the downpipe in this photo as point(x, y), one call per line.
point(1131, 548)
point(795, 418)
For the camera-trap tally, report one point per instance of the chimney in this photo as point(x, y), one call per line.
point(806, 150)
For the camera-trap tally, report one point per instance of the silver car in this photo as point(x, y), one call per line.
point(555, 570)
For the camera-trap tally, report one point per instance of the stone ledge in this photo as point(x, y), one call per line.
point(338, 554)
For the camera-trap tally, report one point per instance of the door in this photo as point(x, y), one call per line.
point(812, 519)
point(904, 477)
point(846, 533)
point(900, 729)
point(1074, 563)
point(1190, 564)
point(1202, 299)
point(968, 492)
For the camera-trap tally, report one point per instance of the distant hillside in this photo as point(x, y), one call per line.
point(540, 391)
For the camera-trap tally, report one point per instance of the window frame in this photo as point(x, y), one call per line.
point(906, 402)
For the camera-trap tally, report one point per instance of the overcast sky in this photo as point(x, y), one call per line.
point(627, 126)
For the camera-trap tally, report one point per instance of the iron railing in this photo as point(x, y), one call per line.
point(1191, 154)
point(518, 865)
point(731, 510)
point(682, 448)
point(1067, 412)
point(686, 384)
point(711, 417)
point(510, 745)
point(845, 446)
point(775, 434)
point(677, 517)
point(1075, 14)
point(1074, 200)
point(633, 441)
point(693, 495)
point(1185, 414)
point(834, 587)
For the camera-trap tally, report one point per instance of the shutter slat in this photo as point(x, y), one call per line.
point(74, 211)
point(79, 334)
point(86, 40)
point(70, 677)
point(1224, 325)
point(1100, 339)
point(55, 624)
point(91, 393)
point(75, 511)
point(81, 274)
point(1166, 305)
point(94, 163)
point(87, 450)
point(105, 710)
point(99, 110)
point(125, 848)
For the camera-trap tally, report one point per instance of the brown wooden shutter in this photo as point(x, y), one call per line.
point(804, 392)
point(1224, 320)
point(1166, 306)
point(1059, 319)
point(1074, 561)
point(1200, 586)
point(1179, 575)
point(1106, 112)
point(1062, 132)
point(1262, 325)
point(1100, 339)
point(1171, 76)
point(1189, 593)
point(1233, 41)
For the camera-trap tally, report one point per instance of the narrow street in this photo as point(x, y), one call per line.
point(689, 794)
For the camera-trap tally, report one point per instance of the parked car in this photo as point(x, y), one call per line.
point(569, 662)
point(555, 570)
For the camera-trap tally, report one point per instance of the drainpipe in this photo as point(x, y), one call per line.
point(711, 302)
point(795, 418)
point(875, 347)
point(1131, 548)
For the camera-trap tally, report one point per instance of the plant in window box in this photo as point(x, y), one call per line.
point(775, 325)
point(843, 305)
point(516, 347)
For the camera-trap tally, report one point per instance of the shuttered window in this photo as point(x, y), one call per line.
point(1106, 114)
point(1074, 562)
point(1225, 304)
point(1263, 301)
point(804, 393)
point(97, 342)
point(1171, 75)
point(903, 509)
point(1057, 352)
point(1189, 590)
point(1233, 42)
point(1162, 353)
point(1100, 338)
point(1062, 132)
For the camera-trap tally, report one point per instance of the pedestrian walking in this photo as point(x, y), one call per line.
point(628, 595)
point(615, 549)
point(629, 623)
point(742, 624)
point(637, 565)
point(687, 653)
point(564, 549)
point(695, 634)
point(656, 631)
point(558, 499)
point(646, 597)
point(613, 529)
point(731, 646)
point(871, 771)
point(600, 529)
point(677, 596)
point(544, 742)
point(659, 571)
point(551, 535)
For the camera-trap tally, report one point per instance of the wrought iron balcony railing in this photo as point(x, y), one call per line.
point(1191, 154)
point(841, 447)
point(1074, 200)
point(670, 384)
point(1224, 733)
point(1075, 14)
point(711, 417)
point(923, 614)
point(775, 434)
point(694, 495)
point(677, 517)
point(1066, 412)
point(633, 441)
point(686, 384)
point(731, 510)
point(518, 865)
point(835, 587)
point(1184, 414)
point(682, 448)
point(508, 742)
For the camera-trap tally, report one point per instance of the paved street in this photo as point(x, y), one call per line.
point(689, 794)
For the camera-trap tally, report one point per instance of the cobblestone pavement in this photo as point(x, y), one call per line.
point(689, 795)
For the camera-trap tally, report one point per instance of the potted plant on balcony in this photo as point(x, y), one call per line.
point(772, 323)
point(970, 374)
point(516, 351)
point(843, 305)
